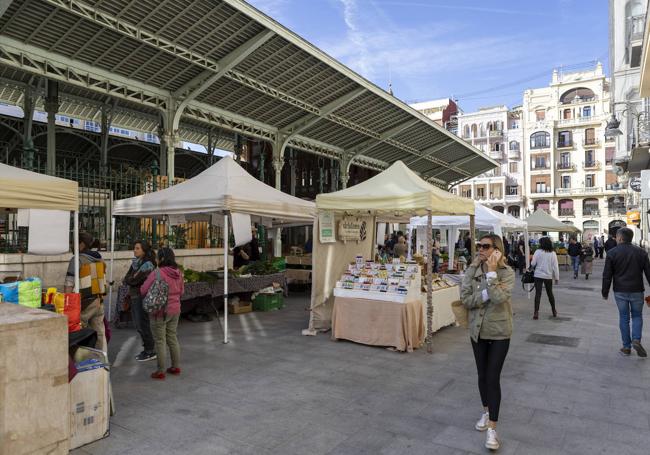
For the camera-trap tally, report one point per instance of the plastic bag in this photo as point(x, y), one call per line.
point(26, 292)
point(69, 305)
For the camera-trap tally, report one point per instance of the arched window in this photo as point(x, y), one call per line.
point(543, 204)
point(498, 208)
point(490, 126)
point(474, 130)
point(514, 146)
point(566, 207)
point(514, 210)
point(576, 95)
point(466, 131)
point(616, 206)
point(482, 130)
point(590, 207)
point(590, 229)
point(496, 147)
point(540, 139)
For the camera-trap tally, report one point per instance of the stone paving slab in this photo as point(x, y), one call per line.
point(273, 391)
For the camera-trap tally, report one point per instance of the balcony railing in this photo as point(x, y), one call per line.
point(540, 148)
point(591, 142)
point(541, 191)
point(497, 154)
point(540, 166)
point(564, 166)
point(579, 100)
point(590, 212)
point(567, 212)
point(579, 120)
point(591, 164)
point(614, 187)
point(564, 144)
point(496, 133)
point(514, 154)
point(513, 197)
point(617, 212)
point(578, 191)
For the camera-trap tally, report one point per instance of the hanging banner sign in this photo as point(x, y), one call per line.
point(350, 230)
point(326, 227)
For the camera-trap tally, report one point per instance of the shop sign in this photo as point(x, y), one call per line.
point(635, 184)
point(326, 227)
point(350, 230)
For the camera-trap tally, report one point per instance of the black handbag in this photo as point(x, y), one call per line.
point(528, 277)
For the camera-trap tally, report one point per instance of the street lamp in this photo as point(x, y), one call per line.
point(612, 129)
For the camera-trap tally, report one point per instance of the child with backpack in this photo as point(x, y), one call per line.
point(162, 293)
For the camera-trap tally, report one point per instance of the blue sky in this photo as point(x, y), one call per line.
point(485, 52)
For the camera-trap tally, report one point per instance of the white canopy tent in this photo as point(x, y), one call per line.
point(396, 194)
point(223, 188)
point(540, 221)
point(485, 219)
point(22, 189)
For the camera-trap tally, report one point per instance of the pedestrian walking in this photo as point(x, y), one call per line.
point(521, 255)
point(610, 243)
point(597, 246)
point(486, 292)
point(625, 265)
point(575, 250)
point(601, 244)
point(586, 260)
point(164, 322)
point(546, 271)
point(142, 264)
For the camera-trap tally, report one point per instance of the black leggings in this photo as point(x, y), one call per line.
point(489, 356)
point(548, 284)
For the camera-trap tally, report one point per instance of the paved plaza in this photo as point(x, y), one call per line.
point(273, 391)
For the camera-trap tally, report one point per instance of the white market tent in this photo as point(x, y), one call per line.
point(396, 194)
point(22, 189)
point(540, 221)
point(485, 219)
point(223, 188)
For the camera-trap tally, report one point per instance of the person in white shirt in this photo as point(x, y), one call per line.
point(546, 270)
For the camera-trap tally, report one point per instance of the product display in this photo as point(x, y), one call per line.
point(438, 282)
point(394, 282)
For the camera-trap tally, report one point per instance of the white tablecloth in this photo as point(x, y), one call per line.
point(443, 315)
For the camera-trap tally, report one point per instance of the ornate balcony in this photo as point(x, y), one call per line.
point(595, 165)
point(564, 166)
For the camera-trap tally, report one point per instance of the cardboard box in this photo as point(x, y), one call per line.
point(240, 307)
point(89, 407)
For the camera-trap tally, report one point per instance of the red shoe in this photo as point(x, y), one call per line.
point(158, 375)
point(535, 316)
point(174, 371)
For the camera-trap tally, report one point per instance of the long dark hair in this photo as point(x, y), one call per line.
point(167, 258)
point(149, 253)
point(546, 245)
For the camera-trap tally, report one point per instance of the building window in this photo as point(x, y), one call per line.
point(590, 180)
point(567, 114)
point(466, 131)
point(540, 162)
point(514, 146)
point(590, 136)
point(564, 139)
point(586, 111)
point(540, 187)
point(590, 207)
point(590, 160)
point(540, 139)
point(566, 181)
point(565, 160)
point(540, 115)
point(513, 167)
point(496, 147)
point(480, 192)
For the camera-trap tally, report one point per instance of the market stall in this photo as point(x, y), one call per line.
point(220, 192)
point(343, 234)
point(541, 221)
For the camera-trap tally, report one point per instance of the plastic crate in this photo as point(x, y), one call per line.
point(268, 302)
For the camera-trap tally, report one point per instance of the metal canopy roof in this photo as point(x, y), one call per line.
point(223, 63)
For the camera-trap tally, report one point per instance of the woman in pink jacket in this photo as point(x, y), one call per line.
point(165, 322)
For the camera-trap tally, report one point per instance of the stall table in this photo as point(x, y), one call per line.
point(385, 323)
point(213, 289)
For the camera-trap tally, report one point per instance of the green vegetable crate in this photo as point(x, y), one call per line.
point(268, 302)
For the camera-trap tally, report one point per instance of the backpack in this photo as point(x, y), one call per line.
point(157, 296)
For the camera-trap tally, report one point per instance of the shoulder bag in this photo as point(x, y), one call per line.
point(157, 296)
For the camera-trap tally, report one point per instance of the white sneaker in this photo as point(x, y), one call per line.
point(491, 440)
point(482, 424)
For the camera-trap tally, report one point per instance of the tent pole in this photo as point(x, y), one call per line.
point(429, 283)
point(225, 278)
point(76, 251)
point(373, 244)
point(527, 248)
point(472, 236)
point(110, 271)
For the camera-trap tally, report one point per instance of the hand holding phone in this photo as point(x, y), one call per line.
point(493, 261)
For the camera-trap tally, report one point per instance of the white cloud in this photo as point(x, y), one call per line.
point(273, 8)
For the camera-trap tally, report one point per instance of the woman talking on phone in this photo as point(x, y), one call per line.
point(486, 293)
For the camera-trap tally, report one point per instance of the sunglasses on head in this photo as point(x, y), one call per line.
point(485, 246)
